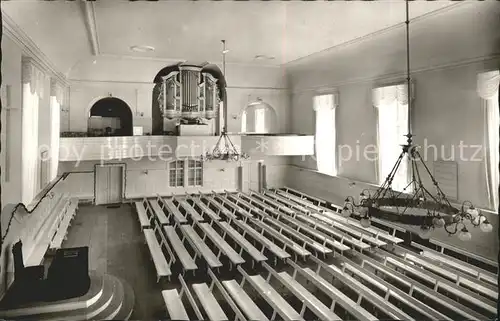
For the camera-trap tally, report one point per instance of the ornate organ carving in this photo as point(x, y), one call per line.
point(189, 93)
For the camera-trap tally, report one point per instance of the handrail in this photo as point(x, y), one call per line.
point(28, 211)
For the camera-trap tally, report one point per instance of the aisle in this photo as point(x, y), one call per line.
point(116, 247)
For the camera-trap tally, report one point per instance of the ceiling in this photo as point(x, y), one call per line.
point(192, 30)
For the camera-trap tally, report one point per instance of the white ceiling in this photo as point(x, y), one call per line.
point(192, 30)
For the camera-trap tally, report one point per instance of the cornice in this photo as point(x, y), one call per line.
point(30, 50)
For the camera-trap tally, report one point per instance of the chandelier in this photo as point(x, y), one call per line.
point(226, 151)
point(428, 211)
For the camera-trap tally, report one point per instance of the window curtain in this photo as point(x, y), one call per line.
point(32, 91)
point(391, 103)
point(56, 101)
point(488, 89)
point(325, 142)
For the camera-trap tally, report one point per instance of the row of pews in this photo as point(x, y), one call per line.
point(286, 255)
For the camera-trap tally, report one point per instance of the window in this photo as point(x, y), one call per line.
point(488, 89)
point(325, 144)
point(195, 173)
point(177, 173)
point(392, 107)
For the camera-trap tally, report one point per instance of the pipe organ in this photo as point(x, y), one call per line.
point(189, 93)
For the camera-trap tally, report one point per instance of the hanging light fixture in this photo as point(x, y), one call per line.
point(429, 211)
point(224, 149)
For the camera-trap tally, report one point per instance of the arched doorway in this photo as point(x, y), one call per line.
point(259, 118)
point(110, 116)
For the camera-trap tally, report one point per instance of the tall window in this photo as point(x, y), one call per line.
point(177, 173)
point(488, 90)
point(392, 106)
point(195, 173)
point(325, 144)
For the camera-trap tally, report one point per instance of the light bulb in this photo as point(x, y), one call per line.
point(464, 235)
point(345, 212)
point(486, 227)
point(365, 222)
point(363, 211)
point(438, 222)
point(363, 196)
point(425, 232)
point(473, 211)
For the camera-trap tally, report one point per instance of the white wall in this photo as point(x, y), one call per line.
point(132, 81)
point(147, 178)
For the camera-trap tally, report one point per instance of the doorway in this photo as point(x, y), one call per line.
point(110, 116)
point(109, 184)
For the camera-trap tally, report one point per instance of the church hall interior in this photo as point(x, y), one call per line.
point(249, 160)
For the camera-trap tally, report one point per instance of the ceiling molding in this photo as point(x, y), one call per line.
point(30, 49)
point(88, 10)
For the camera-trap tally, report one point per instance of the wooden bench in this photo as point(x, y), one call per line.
point(259, 237)
point(308, 299)
point(441, 283)
point(297, 249)
point(200, 246)
point(457, 264)
point(286, 202)
point(192, 212)
point(414, 288)
point(186, 260)
point(250, 309)
point(175, 308)
point(62, 230)
point(270, 201)
point(142, 214)
point(272, 297)
point(323, 224)
point(225, 248)
point(187, 292)
point(172, 209)
point(158, 212)
point(205, 209)
point(159, 260)
point(245, 245)
point(220, 209)
point(363, 291)
point(235, 208)
point(451, 248)
point(233, 307)
point(209, 303)
point(298, 200)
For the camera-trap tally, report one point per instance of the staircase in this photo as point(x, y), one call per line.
point(109, 298)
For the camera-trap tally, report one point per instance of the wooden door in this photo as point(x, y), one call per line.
point(108, 184)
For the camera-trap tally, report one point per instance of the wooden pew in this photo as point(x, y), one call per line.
point(286, 202)
point(205, 209)
point(209, 303)
point(142, 215)
point(185, 291)
point(269, 201)
point(236, 210)
point(188, 263)
point(218, 208)
point(407, 296)
point(162, 266)
point(65, 223)
point(246, 304)
point(291, 232)
point(457, 264)
point(245, 245)
point(195, 216)
point(158, 211)
point(450, 248)
point(259, 237)
point(454, 276)
point(440, 283)
point(363, 291)
point(222, 245)
point(216, 284)
point(280, 306)
point(175, 308)
point(173, 211)
point(202, 249)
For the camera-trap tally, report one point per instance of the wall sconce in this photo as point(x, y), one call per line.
point(222, 169)
point(145, 172)
point(110, 95)
point(234, 116)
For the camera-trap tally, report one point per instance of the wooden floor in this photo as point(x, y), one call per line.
point(116, 246)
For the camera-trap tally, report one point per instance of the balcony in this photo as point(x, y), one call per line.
point(122, 147)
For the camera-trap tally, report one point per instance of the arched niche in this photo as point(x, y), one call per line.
point(110, 116)
point(158, 121)
point(259, 117)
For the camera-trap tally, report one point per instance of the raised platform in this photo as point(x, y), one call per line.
point(108, 298)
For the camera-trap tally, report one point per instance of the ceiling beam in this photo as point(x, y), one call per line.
point(88, 10)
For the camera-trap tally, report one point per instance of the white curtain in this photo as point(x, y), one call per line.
point(29, 140)
point(488, 89)
point(392, 106)
point(325, 142)
point(55, 114)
